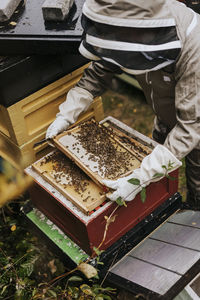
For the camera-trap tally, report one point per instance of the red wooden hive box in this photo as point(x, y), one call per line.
point(87, 231)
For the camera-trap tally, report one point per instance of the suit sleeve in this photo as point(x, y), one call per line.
point(185, 136)
point(97, 77)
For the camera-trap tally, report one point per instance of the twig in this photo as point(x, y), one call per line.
point(109, 268)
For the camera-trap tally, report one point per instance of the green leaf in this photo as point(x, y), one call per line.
point(100, 263)
point(98, 297)
point(75, 278)
point(34, 292)
point(103, 297)
point(170, 165)
point(27, 268)
point(4, 289)
point(52, 293)
point(86, 289)
point(134, 181)
point(19, 294)
point(75, 293)
point(170, 177)
point(164, 167)
point(143, 195)
point(97, 251)
point(96, 286)
point(109, 289)
point(120, 202)
point(157, 175)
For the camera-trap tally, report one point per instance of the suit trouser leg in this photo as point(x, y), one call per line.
point(192, 162)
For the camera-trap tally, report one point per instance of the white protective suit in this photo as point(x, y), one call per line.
point(158, 41)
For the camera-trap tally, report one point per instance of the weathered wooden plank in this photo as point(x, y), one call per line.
point(186, 217)
point(195, 285)
point(146, 275)
point(180, 235)
point(84, 193)
point(165, 255)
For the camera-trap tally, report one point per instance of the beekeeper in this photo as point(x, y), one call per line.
point(158, 41)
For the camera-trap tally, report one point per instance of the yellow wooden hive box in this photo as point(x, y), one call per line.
point(28, 118)
point(25, 122)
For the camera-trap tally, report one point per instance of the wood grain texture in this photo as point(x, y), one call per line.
point(86, 201)
point(145, 274)
point(165, 255)
point(27, 152)
point(179, 235)
point(166, 261)
point(186, 217)
point(31, 116)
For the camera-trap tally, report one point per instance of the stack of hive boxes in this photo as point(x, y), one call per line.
point(24, 123)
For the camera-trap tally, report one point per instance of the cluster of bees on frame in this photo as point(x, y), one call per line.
point(66, 173)
point(111, 161)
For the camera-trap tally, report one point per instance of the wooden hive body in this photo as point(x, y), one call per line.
point(28, 118)
point(88, 230)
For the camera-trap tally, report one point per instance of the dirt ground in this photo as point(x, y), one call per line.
point(128, 104)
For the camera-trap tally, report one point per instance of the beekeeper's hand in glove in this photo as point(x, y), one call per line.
point(153, 167)
point(78, 100)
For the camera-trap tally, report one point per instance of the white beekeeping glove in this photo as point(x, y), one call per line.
point(153, 167)
point(77, 101)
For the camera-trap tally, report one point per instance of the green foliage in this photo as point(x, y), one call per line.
point(18, 256)
point(134, 181)
point(143, 195)
point(25, 273)
point(27, 268)
point(26, 265)
point(158, 175)
point(98, 252)
point(75, 278)
point(93, 291)
point(120, 202)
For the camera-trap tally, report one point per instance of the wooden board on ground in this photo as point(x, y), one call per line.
point(70, 181)
point(165, 262)
point(97, 152)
